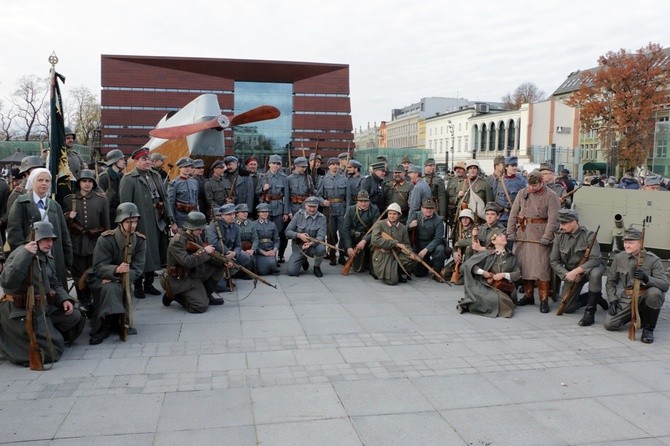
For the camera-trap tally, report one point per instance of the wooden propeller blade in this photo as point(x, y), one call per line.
point(262, 113)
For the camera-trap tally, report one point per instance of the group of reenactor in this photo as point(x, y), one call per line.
point(118, 230)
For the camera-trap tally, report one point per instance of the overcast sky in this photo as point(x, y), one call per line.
point(397, 51)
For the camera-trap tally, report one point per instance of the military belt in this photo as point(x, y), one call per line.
point(19, 300)
point(298, 199)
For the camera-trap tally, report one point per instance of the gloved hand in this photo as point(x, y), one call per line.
point(615, 307)
point(641, 275)
point(545, 241)
point(511, 237)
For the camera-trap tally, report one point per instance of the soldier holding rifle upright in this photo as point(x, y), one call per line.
point(635, 263)
point(334, 189)
point(110, 179)
point(356, 237)
point(273, 190)
point(182, 192)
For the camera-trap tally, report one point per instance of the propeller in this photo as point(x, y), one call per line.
point(262, 113)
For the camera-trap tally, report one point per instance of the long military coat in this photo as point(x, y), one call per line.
point(109, 182)
point(92, 213)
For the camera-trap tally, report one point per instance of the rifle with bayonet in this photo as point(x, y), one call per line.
point(634, 310)
point(408, 252)
point(347, 266)
point(569, 289)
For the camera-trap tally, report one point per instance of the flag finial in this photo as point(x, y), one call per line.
point(53, 59)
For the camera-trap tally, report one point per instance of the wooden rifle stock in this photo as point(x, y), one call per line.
point(503, 285)
point(408, 252)
point(193, 247)
point(35, 359)
point(329, 231)
point(569, 194)
point(634, 310)
point(567, 295)
point(126, 321)
point(350, 261)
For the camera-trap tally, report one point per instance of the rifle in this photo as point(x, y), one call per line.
point(568, 293)
point(229, 278)
point(634, 310)
point(35, 359)
point(313, 173)
point(194, 247)
point(569, 194)
point(408, 252)
point(457, 267)
point(320, 242)
point(350, 262)
point(127, 318)
point(329, 231)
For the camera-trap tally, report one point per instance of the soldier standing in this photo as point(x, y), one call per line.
point(182, 192)
point(429, 238)
point(198, 174)
point(508, 187)
point(192, 272)
point(242, 185)
point(374, 185)
point(119, 251)
point(420, 191)
point(397, 191)
point(144, 187)
point(217, 187)
point(28, 164)
point(74, 159)
point(547, 171)
point(273, 190)
point(532, 225)
point(437, 188)
point(356, 236)
point(353, 170)
point(265, 244)
point(334, 189)
point(453, 187)
point(300, 185)
point(389, 262)
point(110, 179)
point(157, 161)
point(653, 286)
point(475, 189)
point(308, 222)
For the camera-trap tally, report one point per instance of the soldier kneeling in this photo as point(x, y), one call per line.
point(192, 269)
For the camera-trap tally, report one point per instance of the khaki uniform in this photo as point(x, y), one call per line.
point(385, 255)
point(356, 224)
point(438, 192)
point(397, 192)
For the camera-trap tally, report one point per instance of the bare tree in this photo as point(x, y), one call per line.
point(7, 116)
point(523, 94)
point(84, 114)
point(29, 99)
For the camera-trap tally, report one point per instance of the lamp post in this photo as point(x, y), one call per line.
point(450, 127)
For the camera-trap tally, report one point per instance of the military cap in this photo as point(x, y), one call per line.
point(242, 207)
point(28, 162)
point(139, 153)
point(632, 234)
point(394, 207)
point(377, 166)
point(494, 234)
point(492, 206)
point(405, 160)
point(546, 166)
point(184, 161)
point(275, 159)
point(467, 213)
point(228, 208)
point(399, 168)
point(231, 159)
point(511, 160)
point(459, 165)
point(565, 172)
point(250, 159)
point(567, 215)
point(429, 161)
point(382, 158)
point(15, 172)
point(311, 156)
point(355, 164)
point(198, 164)
point(156, 157)
point(499, 159)
point(534, 177)
point(312, 201)
point(300, 161)
point(414, 169)
point(652, 180)
point(333, 160)
point(44, 229)
point(473, 163)
point(343, 155)
point(363, 195)
point(263, 207)
point(87, 174)
point(218, 163)
point(428, 203)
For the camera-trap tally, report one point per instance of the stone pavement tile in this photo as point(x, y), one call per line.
point(156, 332)
point(460, 391)
point(440, 322)
point(527, 345)
point(271, 328)
point(382, 396)
point(158, 315)
point(598, 380)
point(449, 350)
point(20, 418)
point(582, 421)
point(92, 416)
point(636, 442)
point(648, 411)
point(300, 402)
point(205, 409)
point(260, 297)
point(408, 352)
point(500, 425)
point(68, 369)
point(172, 364)
point(222, 361)
point(271, 359)
point(318, 356)
point(320, 311)
point(655, 374)
point(365, 309)
point(146, 439)
point(364, 354)
point(269, 312)
point(422, 428)
point(382, 324)
point(121, 366)
point(329, 432)
point(413, 308)
point(224, 436)
point(361, 295)
point(532, 385)
point(665, 440)
point(326, 326)
point(210, 330)
point(229, 312)
point(305, 298)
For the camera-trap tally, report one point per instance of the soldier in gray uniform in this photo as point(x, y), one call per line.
point(653, 286)
point(265, 242)
point(242, 185)
point(56, 320)
point(334, 189)
point(217, 187)
point(87, 216)
point(109, 264)
point(198, 174)
point(419, 192)
point(307, 222)
point(273, 190)
point(191, 275)
point(224, 235)
point(567, 251)
point(429, 238)
point(110, 179)
point(246, 228)
point(182, 192)
point(300, 185)
point(353, 173)
point(358, 219)
point(74, 159)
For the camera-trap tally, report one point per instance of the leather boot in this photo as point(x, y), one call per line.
point(648, 318)
point(528, 293)
point(139, 290)
point(589, 314)
point(543, 290)
point(149, 284)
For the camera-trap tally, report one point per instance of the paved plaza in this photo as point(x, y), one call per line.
point(346, 361)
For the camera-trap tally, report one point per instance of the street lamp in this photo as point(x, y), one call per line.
point(450, 127)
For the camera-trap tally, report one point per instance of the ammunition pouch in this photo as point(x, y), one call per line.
point(160, 207)
point(75, 227)
point(246, 245)
point(178, 272)
point(184, 207)
point(95, 232)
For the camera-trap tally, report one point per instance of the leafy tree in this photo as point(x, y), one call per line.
point(523, 94)
point(29, 100)
point(619, 100)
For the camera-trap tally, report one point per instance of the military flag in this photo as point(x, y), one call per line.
point(58, 164)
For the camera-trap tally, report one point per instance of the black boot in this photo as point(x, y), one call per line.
point(101, 333)
point(648, 318)
point(593, 298)
point(317, 271)
point(149, 284)
point(139, 290)
point(209, 288)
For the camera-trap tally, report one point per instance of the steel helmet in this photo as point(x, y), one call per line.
point(88, 174)
point(43, 229)
point(29, 162)
point(126, 210)
point(68, 131)
point(113, 156)
point(394, 207)
point(467, 213)
point(195, 220)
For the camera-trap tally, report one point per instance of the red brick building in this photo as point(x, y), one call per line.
point(137, 91)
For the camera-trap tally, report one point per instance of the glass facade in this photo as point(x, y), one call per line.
point(266, 137)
